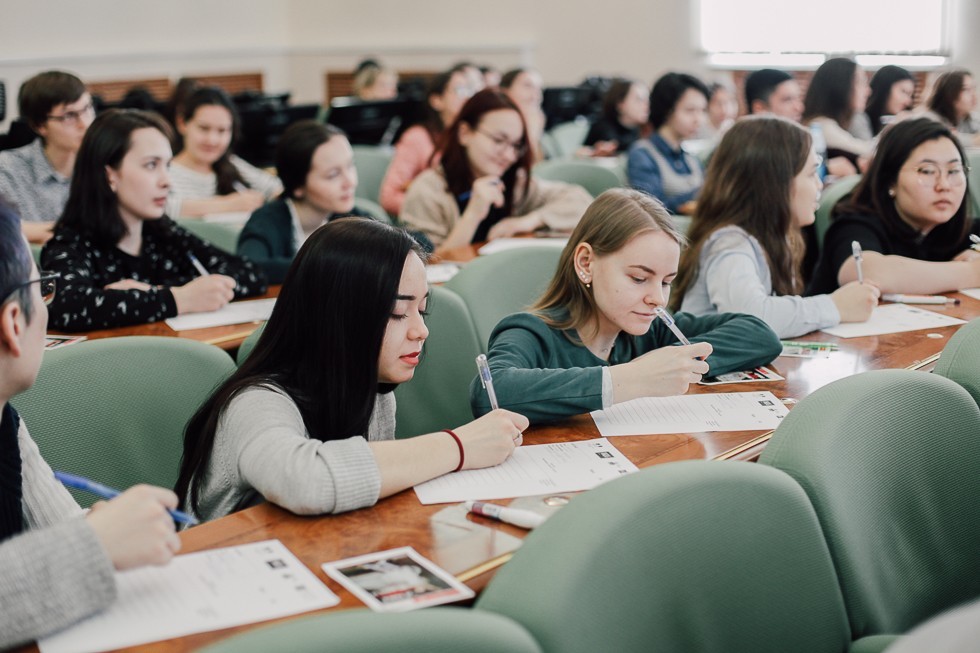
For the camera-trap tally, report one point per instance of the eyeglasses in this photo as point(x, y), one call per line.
point(501, 142)
point(929, 175)
point(48, 281)
point(74, 117)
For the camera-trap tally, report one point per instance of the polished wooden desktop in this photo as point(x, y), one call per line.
point(228, 337)
point(401, 520)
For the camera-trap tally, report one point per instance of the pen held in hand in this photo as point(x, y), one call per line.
point(201, 270)
point(858, 258)
point(483, 367)
point(82, 483)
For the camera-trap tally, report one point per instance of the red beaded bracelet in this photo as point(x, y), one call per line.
point(459, 444)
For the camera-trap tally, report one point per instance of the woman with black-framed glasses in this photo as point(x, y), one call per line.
point(483, 187)
point(909, 215)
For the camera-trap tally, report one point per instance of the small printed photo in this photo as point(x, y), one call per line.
point(397, 580)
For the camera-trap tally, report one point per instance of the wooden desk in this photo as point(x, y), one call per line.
point(228, 337)
point(401, 520)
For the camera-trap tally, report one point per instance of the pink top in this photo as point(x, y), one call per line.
point(412, 153)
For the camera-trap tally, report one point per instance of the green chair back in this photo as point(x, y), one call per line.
point(438, 396)
point(590, 175)
point(36, 253)
point(688, 556)
point(507, 282)
point(222, 236)
point(114, 410)
point(372, 164)
point(960, 360)
point(248, 344)
point(828, 199)
point(973, 159)
point(891, 462)
point(375, 210)
point(562, 141)
point(436, 630)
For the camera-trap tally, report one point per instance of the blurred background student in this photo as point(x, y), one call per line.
point(122, 261)
point(35, 178)
point(658, 165)
point(206, 176)
point(892, 92)
point(525, 88)
point(837, 93)
point(373, 81)
point(447, 93)
point(953, 100)
point(625, 111)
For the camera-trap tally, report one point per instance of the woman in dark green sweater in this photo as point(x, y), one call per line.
point(592, 340)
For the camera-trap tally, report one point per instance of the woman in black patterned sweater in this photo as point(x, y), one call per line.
point(122, 261)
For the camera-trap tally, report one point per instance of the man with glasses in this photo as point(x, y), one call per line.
point(36, 178)
point(56, 562)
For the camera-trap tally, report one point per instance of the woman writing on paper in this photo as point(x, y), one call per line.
point(592, 339)
point(307, 420)
point(121, 260)
point(746, 247)
point(206, 176)
point(483, 187)
point(909, 216)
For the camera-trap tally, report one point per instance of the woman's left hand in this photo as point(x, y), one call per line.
point(967, 255)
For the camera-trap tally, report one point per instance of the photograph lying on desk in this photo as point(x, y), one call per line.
point(397, 580)
point(748, 376)
point(57, 342)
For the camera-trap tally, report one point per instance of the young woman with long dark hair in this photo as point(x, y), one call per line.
point(307, 420)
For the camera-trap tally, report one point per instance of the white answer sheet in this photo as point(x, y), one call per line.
point(254, 310)
point(503, 244)
point(972, 292)
point(726, 411)
point(894, 318)
point(195, 593)
point(531, 470)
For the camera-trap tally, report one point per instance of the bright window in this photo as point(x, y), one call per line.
point(784, 27)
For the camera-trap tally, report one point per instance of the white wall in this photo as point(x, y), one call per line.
point(294, 41)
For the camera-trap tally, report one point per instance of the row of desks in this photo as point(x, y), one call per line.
point(402, 521)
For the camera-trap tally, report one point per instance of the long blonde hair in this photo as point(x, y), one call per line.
point(613, 219)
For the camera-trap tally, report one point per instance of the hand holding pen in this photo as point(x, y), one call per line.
point(86, 485)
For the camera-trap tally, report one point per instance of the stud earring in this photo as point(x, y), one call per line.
point(891, 192)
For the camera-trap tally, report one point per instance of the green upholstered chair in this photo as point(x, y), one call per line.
point(507, 282)
point(374, 209)
point(688, 556)
point(248, 344)
point(436, 630)
point(891, 462)
point(590, 175)
point(372, 164)
point(973, 160)
point(828, 199)
point(562, 141)
point(36, 253)
point(960, 360)
point(222, 236)
point(438, 396)
point(115, 409)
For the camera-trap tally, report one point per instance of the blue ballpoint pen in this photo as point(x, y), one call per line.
point(203, 271)
point(82, 483)
point(484, 369)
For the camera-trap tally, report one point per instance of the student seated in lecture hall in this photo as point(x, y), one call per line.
point(837, 93)
point(593, 340)
point(122, 260)
point(308, 420)
point(483, 188)
point(57, 564)
point(953, 101)
point(373, 81)
point(625, 111)
point(892, 92)
point(316, 164)
point(657, 165)
point(206, 176)
point(746, 246)
point(908, 213)
point(446, 94)
point(525, 87)
point(35, 178)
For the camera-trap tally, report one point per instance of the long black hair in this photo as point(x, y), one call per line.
point(322, 342)
point(225, 172)
point(881, 91)
point(831, 92)
point(872, 193)
point(92, 208)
